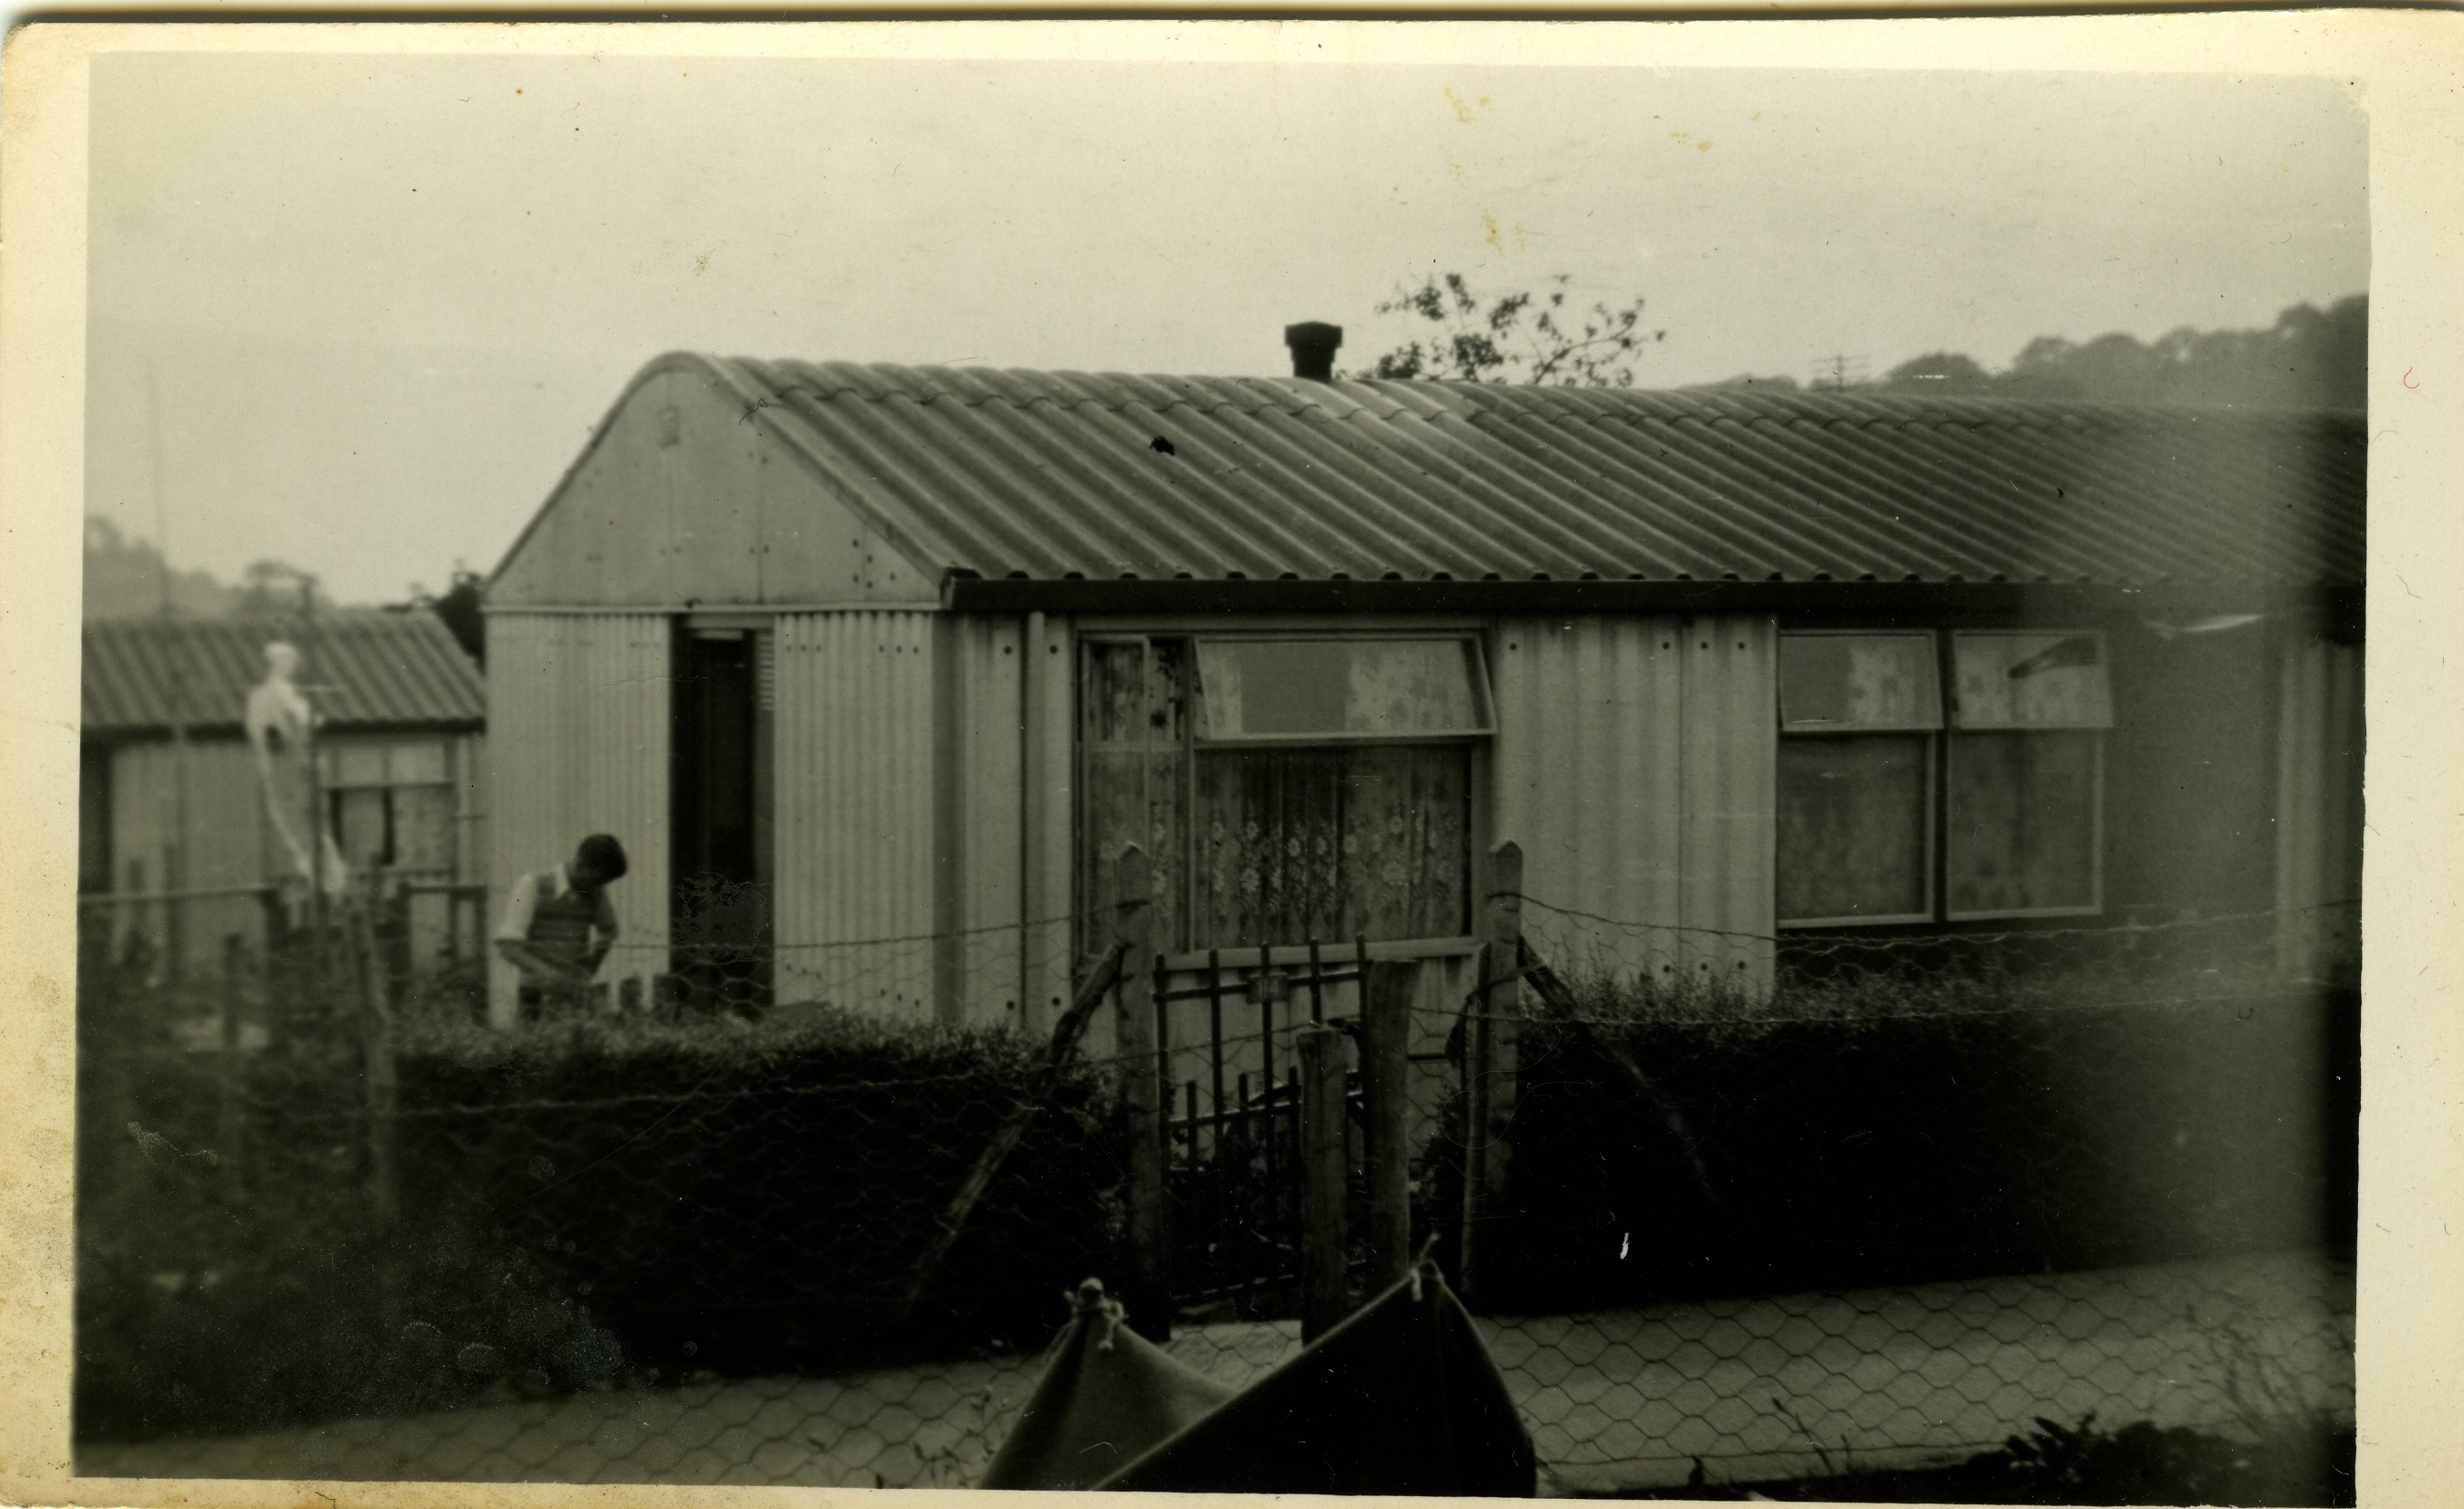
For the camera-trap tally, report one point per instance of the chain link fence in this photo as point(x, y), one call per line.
point(1737, 1391)
point(1742, 1234)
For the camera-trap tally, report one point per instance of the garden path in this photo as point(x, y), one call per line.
point(1755, 1388)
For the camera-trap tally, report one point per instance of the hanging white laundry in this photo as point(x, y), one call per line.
point(281, 728)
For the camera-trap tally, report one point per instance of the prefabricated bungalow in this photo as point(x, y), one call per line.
point(175, 839)
point(876, 669)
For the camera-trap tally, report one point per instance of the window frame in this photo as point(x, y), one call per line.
point(1934, 775)
point(1083, 749)
point(1477, 743)
point(1475, 671)
point(1941, 752)
point(391, 754)
point(2097, 733)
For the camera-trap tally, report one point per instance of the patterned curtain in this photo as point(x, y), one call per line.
point(1331, 843)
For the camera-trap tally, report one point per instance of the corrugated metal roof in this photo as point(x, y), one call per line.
point(1052, 475)
point(374, 668)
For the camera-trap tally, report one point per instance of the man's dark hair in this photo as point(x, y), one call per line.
point(603, 854)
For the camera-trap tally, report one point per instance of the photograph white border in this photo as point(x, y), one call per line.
point(2403, 66)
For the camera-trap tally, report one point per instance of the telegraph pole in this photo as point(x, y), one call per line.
point(175, 848)
point(316, 776)
point(1841, 372)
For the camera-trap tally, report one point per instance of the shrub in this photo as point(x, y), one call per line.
point(764, 1191)
point(1895, 1127)
point(578, 1202)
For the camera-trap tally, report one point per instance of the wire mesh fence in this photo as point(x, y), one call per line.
point(1761, 1225)
point(1735, 1391)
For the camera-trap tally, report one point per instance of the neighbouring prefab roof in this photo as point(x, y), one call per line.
point(362, 669)
point(1044, 477)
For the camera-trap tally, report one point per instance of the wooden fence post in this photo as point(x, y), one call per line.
point(1325, 1240)
point(1386, 995)
point(1492, 1048)
point(232, 1129)
point(1148, 1294)
point(376, 1044)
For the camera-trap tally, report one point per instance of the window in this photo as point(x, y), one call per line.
point(1893, 807)
point(1859, 715)
point(390, 804)
point(2026, 774)
point(1286, 787)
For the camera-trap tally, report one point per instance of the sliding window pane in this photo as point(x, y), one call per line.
point(1838, 682)
point(1135, 774)
point(1852, 828)
point(2042, 680)
point(2022, 823)
point(1265, 688)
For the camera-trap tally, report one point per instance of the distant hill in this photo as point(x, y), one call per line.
point(123, 579)
point(2311, 358)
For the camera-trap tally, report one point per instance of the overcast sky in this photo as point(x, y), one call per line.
point(359, 313)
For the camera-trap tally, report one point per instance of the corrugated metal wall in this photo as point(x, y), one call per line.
point(579, 706)
point(1635, 764)
point(223, 844)
point(1729, 781)
point(2319, 810)
point(858, 874)
point(985, 858)
point(227, 843)
point(1048, 833)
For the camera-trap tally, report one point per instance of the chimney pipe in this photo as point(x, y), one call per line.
point(1313, 345)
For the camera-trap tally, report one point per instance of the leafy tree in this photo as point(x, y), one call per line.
point(1781, 383)
point(2311, 358)
point(1515, 338)
point(459, 607)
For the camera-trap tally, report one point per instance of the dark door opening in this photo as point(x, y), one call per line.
point(719, 914)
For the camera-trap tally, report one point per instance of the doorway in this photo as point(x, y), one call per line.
point(719, 913)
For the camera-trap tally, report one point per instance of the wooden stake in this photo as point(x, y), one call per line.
point(376, 1042)
point(1325, 1240)
point(1385, 1068)
point(1148, 1294)
point(1491, 1051)
point(233, 1128)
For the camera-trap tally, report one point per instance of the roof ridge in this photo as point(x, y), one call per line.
point(1033, 475)
point(1302, 393)
point(1211, 399)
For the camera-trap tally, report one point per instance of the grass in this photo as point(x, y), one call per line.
point(2292, 1461)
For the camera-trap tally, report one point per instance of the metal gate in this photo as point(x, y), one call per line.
point(1231, 1093)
